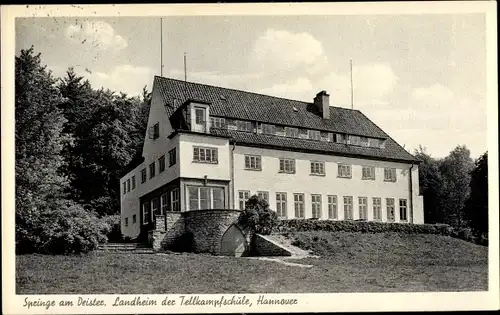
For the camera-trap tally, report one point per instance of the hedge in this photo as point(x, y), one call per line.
point(301, 225)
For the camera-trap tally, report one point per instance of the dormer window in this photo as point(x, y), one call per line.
point(154, 131)
point(291, 132)
point(244, 125)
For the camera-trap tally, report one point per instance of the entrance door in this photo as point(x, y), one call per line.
point(199, 121)
point(233, 242)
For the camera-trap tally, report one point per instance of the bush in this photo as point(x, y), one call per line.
point(66, 230)
point(257, 216)
point(115, 233)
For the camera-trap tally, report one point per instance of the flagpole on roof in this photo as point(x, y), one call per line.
point(352, 89)
point(161, 47)
point(185, 71)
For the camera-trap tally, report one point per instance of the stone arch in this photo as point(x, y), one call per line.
point(234, 242)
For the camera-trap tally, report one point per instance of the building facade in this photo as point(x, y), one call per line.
point(209, 147)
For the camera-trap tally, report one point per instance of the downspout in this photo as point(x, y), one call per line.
point(231, 192)
point(411, 193)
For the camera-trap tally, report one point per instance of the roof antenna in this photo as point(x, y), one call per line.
point(352, 89)
point(185, 72)
point(161, 47)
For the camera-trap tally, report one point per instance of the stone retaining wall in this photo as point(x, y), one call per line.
point(207, 228)
point(267, 247)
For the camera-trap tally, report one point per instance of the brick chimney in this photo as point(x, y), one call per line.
point(322, 102)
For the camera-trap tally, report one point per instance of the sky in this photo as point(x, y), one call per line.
point(421, 78)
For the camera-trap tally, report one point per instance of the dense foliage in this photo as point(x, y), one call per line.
point(258, 216)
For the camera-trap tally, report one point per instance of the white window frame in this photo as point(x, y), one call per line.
point(268, 129)
point(210, 155)
point(162, 162)
point(244, 125)
point(391, 211)
point(317, 168)
point(368, 172)
point(128, 185)
point(146, 214)
point(197, 110)
point(314, 134)
point(152, 170)
point(124, 187)
point(175, 204)
point(218, 122)
point(390, 175)
point(299, 205)
point(133, 182)
point(291, 132)
point(316, 201)
point(210, 196)
point(172, 157)
point(377, 208)
point(344, 171)
point(163, 203)
point(144, 175)
point(263, 195)
point(243, 196)
point(333, 207)
point(348, 208)
point(281, 205)
point(363, 208)
point(134, 219)
point(403, 209)
point(287, 166)
point(153, 212)
point(253, 162)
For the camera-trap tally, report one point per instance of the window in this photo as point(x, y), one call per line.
point(390, 209)
point(252, 162)
point(287, 166)
point(199, 114)
point(163, 203)
point(332, 207)
point(389, 174)
point(314, 134)
point(128, 185)
point(133, 182)
point(281, 204)
point(363, 210)
point(244, 125)
point(172, 157)
point(124, 187)
point(331, 137)
point(316, 206)
point(155, 206)
point(154, 131)
point(243, 196)
point(347, 207)
point(291, 132)
point(205, 155)
point(354, 140)
point(364, 141)
point(217, 122)
point(340, 138)
point(377, 208)
point(126, 221)
point(298, 201)
point(145, 212)
point(403, 207)
point(263, 195)
point(268, 129)
point(143, 176)
point(368, 172)
point(134, 219)
point(174, 200)
point(151, 170)
point(161, 163)
point(344, 171)
point(201, 197)
point(218, 198)
point(317, 167)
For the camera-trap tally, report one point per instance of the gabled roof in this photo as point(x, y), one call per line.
point(244, 105)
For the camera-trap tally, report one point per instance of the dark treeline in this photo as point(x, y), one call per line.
point(73, 143)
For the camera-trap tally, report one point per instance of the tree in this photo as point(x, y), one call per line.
point(258, 216)
point(455, 170)
point(39, 141)
point(431, 183)
point(476, 208)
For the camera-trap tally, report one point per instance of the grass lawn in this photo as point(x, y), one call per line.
point(349, 262)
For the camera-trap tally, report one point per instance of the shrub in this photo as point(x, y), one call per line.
point(115, 233)
point(69, 229)
point(257, 216)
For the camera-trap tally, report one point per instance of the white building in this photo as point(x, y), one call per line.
point(209, 147)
